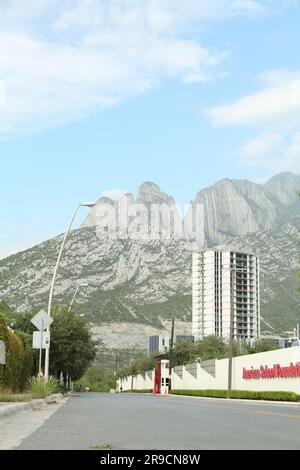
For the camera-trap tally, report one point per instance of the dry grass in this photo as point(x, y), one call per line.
point(8, 397)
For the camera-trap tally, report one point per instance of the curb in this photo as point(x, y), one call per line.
point(11, 410)
point(244, 400)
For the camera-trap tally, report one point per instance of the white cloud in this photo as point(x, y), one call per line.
point(61, 59)
point(261, 146)
point(275, 112)
point(278, 101)
point(272, 153)
point(2, 93)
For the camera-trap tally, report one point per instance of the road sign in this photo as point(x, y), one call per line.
point(42, 320)
point(2, 352)
point(40, 338)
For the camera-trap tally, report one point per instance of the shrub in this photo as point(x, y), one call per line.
point(12, 374)
point(201, 393)
point(241, 394)
point(97, 379)
point(138, 391)
point(27, 369)
point(13, 398)
point(41, 388)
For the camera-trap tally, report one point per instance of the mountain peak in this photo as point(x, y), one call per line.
point(149, 186)
point(284, 187)
point(150, 193)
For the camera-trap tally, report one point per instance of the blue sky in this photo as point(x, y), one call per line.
point(102, 95)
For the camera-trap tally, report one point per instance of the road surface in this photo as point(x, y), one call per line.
point(128, 422)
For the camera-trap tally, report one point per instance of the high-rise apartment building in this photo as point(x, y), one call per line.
point(222, 279)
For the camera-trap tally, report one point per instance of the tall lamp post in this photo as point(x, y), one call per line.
point(83, 204)
point(75, 295)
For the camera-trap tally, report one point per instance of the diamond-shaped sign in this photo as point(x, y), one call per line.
point(42, 320)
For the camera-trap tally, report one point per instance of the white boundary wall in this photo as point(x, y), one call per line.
point(197, 378)
point(140, 382)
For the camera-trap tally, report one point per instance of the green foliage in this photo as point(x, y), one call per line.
point(139, 391)
point(186, 352)
point(28, 367)
point(272, 396)
point(5, 310)
point(14, 398)
point(14, 374)
point(21, 322)
point(262, 345)
point(114, 304)
point(102, 447)
point(97, 379)
point(139, 366)
point(72, 346)
point(210, 347)
point(240, 394)
point(41, 388)
point(201, 393)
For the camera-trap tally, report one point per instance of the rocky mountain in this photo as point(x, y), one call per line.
point(144, 282)
point(232, 208)
point(279, 253)
point(235, 208)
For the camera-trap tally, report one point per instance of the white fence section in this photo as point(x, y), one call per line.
point(277, 370)
point(139, 382)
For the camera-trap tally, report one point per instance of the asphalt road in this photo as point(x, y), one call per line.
point(166, 423)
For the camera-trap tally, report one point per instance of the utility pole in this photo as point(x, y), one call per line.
point(231, 334)
point(171, 354)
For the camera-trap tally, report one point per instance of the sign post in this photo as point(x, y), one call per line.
point(41, 349)
point(41, 321)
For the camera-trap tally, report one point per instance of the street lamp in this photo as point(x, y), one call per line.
point(76, 292)
point(82, 204)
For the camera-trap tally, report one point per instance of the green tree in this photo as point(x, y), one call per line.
point(21, 322)
point(210, 347)
point(72, 346)
point(144, 363)
point(14, 375)
point(97, 379)
point(183, 353)
point(262, 345)
point(30, 365)
point(5, 310)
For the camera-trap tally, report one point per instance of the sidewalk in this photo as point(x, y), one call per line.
point(10, 409)
point(18, 422)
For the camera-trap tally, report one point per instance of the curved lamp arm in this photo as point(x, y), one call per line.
point(59, 258)
point(47, 353)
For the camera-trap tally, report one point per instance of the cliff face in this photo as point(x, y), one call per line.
point(232, 208)
point(235, 208)
point(146, 282)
